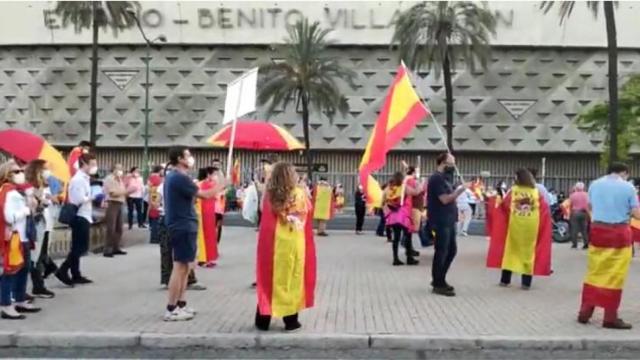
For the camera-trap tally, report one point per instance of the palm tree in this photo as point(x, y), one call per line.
point(307, 76)
point(117, 15)
point(566, 8)
point(434, 35)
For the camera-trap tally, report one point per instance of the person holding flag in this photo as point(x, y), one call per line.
point(613, 202)
point(84, 147)
point(521, 235)
point(221, 200)
point(323, 205)
point(397, 200)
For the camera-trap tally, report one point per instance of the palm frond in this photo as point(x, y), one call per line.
point(109, 14)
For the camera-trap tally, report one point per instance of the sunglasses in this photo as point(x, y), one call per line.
point(19, 171)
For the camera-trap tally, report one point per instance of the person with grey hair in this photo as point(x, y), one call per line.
point(579, 219)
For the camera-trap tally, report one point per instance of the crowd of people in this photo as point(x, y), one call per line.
point(185, 217)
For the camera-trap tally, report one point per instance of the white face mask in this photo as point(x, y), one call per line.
point(46, 174)
point(18, 179)
point(119, 173)
point(191, 161)
point(93, 170)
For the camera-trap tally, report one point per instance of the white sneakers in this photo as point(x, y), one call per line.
point(178, 314)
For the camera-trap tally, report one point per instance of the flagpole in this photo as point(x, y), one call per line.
point(233, 133)
point(435, 122)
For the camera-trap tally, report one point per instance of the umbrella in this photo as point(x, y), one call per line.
point(27, 146)
point(256, 135)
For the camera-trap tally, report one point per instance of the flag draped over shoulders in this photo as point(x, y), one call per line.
point(72, 160)
point(520, 239)
point(207, 231)
point(609, 257)
point(323, 202)
point(286, 259)
point(401, 111)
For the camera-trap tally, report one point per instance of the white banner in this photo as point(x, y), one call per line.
point(241, 96)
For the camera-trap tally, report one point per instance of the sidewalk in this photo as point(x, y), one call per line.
point(362, 302)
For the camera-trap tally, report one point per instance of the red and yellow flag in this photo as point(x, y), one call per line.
point(286, 259)
point(401, 111)
point(322, 202)
point(10, 245)
point(521, 233)
point(235, 173)
point(609, 257)
point(207, 230)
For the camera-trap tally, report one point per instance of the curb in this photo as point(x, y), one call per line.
point(255, 341)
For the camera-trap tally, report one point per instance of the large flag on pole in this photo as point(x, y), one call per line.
point(401, 111)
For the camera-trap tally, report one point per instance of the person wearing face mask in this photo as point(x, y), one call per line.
point(115, 193)
point(221, 200)
point(36, 174)
point(613, 203)
point(443, 216)
point(155, 202)
point(14, 210)
point(135, 190)
point(180, 193)
point(361, 208)
point(80, 196)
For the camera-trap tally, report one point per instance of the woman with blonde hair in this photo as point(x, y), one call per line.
point(286, 260)
point(14, 210)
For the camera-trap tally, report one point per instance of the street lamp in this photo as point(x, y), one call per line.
point(149, 43)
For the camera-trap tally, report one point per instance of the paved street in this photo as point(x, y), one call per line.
point(358, 292)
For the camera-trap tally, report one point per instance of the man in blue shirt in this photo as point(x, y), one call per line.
point(612, 201)
point(180, 193)
point(443, 216)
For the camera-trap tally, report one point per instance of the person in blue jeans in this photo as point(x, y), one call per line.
point(16, 208)
point(443, 216)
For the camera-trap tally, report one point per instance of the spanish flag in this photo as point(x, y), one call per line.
point(322, 202)
point(401, 111)
point(608, 263)
point(235, 173)
point(635, 230)
point(207, 230)
point(286, 259)
point(521, 233)
point(72, 160)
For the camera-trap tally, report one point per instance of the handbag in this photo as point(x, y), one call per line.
point(12, 255)
point(68, 214)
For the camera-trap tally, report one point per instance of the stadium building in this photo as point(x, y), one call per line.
point(518, 112)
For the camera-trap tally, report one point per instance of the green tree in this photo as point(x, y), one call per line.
point(595, 120)
point(565, 10)
point(433, 35)
point(306, 76)
point(117, 15)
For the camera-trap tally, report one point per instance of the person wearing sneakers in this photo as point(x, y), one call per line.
point(14, 208)
point(79, 195)
point(180, 193)
point(443, 216)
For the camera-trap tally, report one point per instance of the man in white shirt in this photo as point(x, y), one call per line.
point(465, 211)
point(80, 196)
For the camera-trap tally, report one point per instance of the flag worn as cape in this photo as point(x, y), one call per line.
point(207, 230)
point(401, 112)
point(235, 173)
point(10, 246)
point(286, 260)
point(608, 260)
point(72, 160)
point(521, 233)
point(323, 202)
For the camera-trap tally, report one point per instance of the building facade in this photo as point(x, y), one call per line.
point(520, 111)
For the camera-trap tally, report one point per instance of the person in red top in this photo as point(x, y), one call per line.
point(155, 202)
point(579, 217)
point(84, 147)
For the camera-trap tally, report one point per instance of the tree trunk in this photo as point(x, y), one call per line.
point(93, 124)
point(612, 48)
point(448, 91)
point(307, 144)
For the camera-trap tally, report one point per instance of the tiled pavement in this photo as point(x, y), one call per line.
point(358, 292)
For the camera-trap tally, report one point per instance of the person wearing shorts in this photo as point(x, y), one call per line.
point(180, 192)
